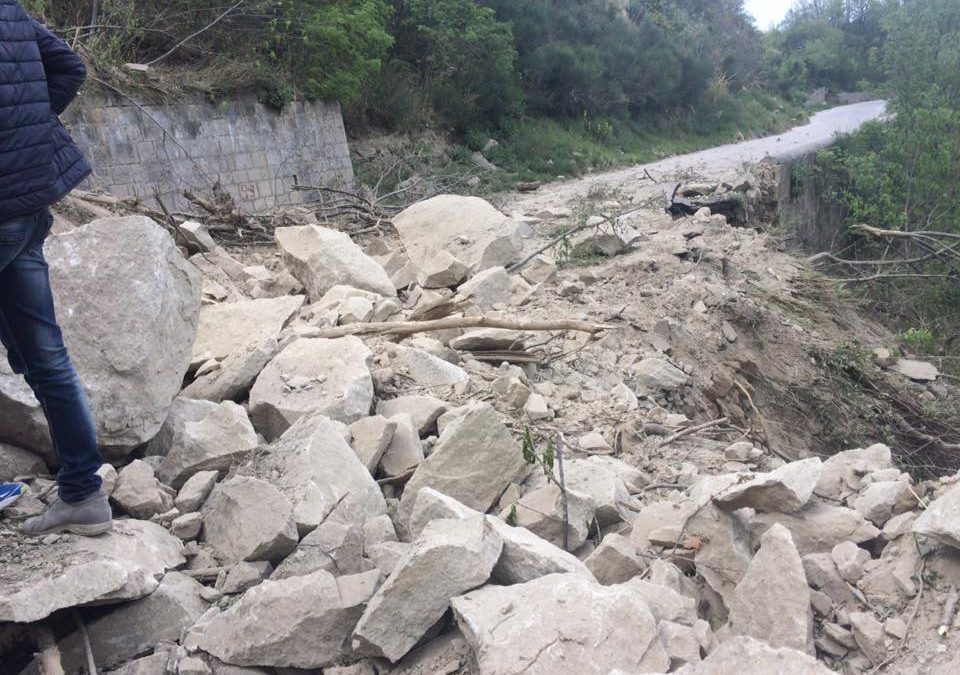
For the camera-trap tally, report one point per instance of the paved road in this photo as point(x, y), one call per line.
point(820, 132)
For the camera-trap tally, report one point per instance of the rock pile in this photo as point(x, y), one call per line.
point(317, 500)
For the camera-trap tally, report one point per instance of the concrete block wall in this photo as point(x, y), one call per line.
point(256, 154)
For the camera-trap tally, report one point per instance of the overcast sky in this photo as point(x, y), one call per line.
point(768, 12)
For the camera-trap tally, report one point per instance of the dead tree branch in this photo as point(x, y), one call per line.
point(413, 327)
point(194, 34)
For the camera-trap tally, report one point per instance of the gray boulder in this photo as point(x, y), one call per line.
point(128, 303)
point(474, 461)
point(329, 377)
point(124, 564)
point(321, 258)
point(300, 622)
point(562, 623)
point(249, 519)
point(449, 558)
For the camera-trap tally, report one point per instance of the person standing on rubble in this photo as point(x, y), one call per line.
point(39, 164)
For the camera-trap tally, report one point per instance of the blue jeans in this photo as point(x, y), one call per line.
point(35, 349)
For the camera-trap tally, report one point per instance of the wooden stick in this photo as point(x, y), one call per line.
point(47, 654)
point(413, 327)
point(692, 430)
point(85, 639)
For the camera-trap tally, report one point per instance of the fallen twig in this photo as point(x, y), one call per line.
point(47, 654)
point(949, 611)
point(413, 327)
point(399, 479)
point(85, 639)
point(572, 231)
point(692, 430)
point(563, 493)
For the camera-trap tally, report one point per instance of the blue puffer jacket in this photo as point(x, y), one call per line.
point(39, 77)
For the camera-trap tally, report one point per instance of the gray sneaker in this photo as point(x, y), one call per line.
point(88, 517)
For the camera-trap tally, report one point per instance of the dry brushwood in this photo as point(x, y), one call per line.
point(413, 327)
point(914, 249)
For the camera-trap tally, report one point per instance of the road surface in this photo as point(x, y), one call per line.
point(821, 131)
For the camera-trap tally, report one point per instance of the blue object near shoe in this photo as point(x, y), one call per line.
point(11, 492)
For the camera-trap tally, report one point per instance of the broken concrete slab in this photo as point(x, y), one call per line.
point(562, 623)
point(38, 578)
point(449, 558)
point(772, 601)
point(309, 376)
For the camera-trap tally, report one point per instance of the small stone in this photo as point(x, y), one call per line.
point(615, 560)
point(850, 560)
point(187, 526)
point(536, 408)
point(869, 634)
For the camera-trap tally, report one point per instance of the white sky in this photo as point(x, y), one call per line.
point(768, 12)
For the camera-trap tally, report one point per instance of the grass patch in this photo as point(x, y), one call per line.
point(539, 149)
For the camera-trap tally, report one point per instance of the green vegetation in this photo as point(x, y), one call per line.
point(901, 175)
point(566, 87)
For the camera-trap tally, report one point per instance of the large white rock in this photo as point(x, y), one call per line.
point(321, 258)
point(321, 476)
point(299, 622)
point(563, 520)
point(772, 602)
point(743, 655)
point(562, 623)
point(941, 519)
point(15, 462)
point(128, 304)
point(21, 418)
point(137, 491)
point(474, 461)
point(450, 557)
point(212, 443)
point(654, 375)
point(783, 490)
point(467, 228)
point(125, 564)
point(843, 474)
point(525, 556)
point(137, 627)
point(233, 377)
point(232, 328)
point(248, 519)
point(313, 376)
point(818, 527)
